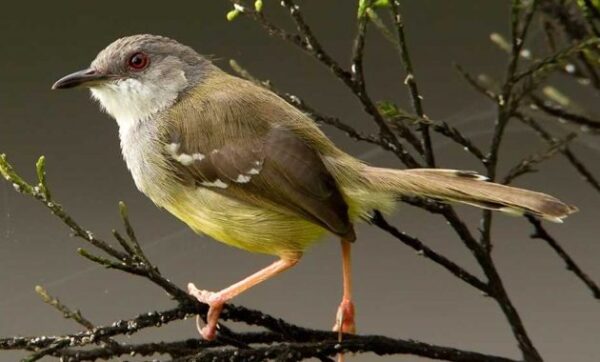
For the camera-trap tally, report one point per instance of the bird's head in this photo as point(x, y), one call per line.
point(137, 76)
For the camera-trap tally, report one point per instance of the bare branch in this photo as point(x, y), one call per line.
point(527, 165)
point(556, 111)
point(356, 344)
point(311, 45)
point(427, 252)
point(567, 152)
point(66, 312)
point(411, 82)
point(541, 233)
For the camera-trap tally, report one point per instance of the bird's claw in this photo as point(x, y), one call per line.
point(215, 305)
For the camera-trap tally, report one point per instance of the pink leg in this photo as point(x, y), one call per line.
point(216, 300)
point(345, 315)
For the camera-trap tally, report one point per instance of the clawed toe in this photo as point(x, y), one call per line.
point(215, 304)
point(207, 332)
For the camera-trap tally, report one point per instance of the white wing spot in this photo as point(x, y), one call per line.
point(253, 171)
point(198, 156)
point(242, 179)
point(172, 148)
point(184, 159)
point(217, 183)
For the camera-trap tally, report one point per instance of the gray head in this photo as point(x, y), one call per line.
point(139, 75)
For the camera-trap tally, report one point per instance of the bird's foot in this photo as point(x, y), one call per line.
point(344, 321)
point(215, 305)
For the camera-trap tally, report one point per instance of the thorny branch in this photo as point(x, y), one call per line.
point(396, 129)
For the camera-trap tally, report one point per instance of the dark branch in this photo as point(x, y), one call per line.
point(528, 164)
point(556, 111)
point(358, 344)
point(541, 233)
point(581, 168)
point(411, 82)
point(309, 43)
point(422, 249)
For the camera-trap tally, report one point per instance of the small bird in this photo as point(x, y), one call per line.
point(236, 162)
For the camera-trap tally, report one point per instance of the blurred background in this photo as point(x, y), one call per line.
point(397, 293)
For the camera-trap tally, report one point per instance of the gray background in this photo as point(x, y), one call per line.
point(398, 293)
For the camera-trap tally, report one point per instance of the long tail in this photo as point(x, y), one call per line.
point(467, 187)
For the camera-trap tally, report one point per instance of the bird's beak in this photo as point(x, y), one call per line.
point(87, 77)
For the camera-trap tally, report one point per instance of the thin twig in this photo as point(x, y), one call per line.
point(541, 233)
point(66, 311)
point(378, 220)
point(556, 111)
point(411, 82)
point(581, 168)
point(42, 194)
point(309, 43)
point(555, 60)
point(527, 165)
point(39, 354)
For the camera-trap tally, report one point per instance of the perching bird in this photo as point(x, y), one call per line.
point(236, 162)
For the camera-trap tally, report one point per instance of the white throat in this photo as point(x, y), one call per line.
point(134, 104)
point(131, 101)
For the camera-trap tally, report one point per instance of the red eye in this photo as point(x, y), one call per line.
point(138, 61)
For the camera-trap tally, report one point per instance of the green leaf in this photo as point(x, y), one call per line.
point(232, 14)
point(258, 5)
point(389, 109)
point(381, 4)
point(582, 4)
point(362, 8)
point(364, 5)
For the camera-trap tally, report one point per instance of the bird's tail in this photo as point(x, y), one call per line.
point(466, 187)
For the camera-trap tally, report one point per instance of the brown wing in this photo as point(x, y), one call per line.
point(273, 168)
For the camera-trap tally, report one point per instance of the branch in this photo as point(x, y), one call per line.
point(553, 61)
point(280, 336)
point(455, 135)
point(411, 82)
point(527, 165)
point(356, 344)
point(541, 233)
point(555, 110)
point(66, 311)
point(567, 152)
point(309, 43)
point(507, 103)
point(378, 220)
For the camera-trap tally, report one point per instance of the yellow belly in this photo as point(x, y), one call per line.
point(243, 225)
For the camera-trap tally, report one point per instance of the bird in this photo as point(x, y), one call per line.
point(236, 162)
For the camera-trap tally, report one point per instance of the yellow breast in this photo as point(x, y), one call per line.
point(242, 225)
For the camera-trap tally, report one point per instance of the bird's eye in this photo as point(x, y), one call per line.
point(138, 61)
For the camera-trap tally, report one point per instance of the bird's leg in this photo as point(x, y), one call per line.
point(216, 300)
point(344, 322)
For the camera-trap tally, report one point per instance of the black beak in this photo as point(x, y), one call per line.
point(86, 77)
